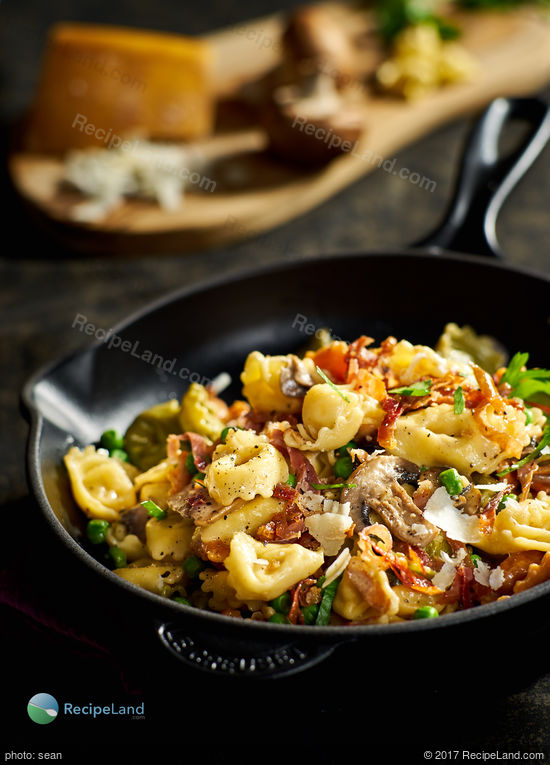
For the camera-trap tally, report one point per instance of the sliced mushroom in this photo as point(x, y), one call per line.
point(376, 485)
point(312, 122)
point(469, 501)
point(316, 41)
point(196, 504)
point(135, 519)
point(295, 379)
point(315, 110)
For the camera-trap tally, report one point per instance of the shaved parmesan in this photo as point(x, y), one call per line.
point(445, 576)
point(329, 529)
point(315, 503)
point(337, 567)
point(441, 511)
point(481, 573)
point(220, 383)
point(496, 578)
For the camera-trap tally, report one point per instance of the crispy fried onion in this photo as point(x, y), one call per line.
point(492, 403)
point(397, 563)
point(536, 573)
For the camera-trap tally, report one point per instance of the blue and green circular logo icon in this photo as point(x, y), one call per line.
point(42, 708)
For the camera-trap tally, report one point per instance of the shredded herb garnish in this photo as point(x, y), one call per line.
point(154, 510)
point(526, 383)
point(420, 388)
point(544, 441)
point(459, 400)
point(321, 486)
point(332, 385)
point(325, 606)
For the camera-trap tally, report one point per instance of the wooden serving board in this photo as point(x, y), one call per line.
point(256, 191)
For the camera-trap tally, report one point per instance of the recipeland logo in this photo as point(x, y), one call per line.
point(43, 708)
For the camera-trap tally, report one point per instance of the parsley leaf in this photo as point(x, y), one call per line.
point(420, 388)
point(459, 400)
point(544, 441)
point(526, 383)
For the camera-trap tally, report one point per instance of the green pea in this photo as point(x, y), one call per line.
point(182, 601)
point(225, 431)
point(450, 479)
point(425, 612)
point(292, 480)
point(96, 530)
point(279, 619)
point(120, 453)
point(118, 557)
point(343, 467)
point(111, 439)
point(192, 566)
point(282, 603)
point(310, 613)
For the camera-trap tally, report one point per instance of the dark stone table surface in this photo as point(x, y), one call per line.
point(43, 287)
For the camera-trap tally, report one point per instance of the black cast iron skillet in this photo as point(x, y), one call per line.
point(198, 332)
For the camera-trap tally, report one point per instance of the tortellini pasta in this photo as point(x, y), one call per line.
point(374, 597)
point(101, 485)
point(153, 578)
point(145, 439)
point(169, 537)
point(245, 466)
point(202, 413)
point(331, 418)
point(247, 517)
point(412, 362)
point(223, 595)
point(130, 544)
point(266, 571)
point(261, 383)
point(436, 435)
point(519, 526)
point(155, 483)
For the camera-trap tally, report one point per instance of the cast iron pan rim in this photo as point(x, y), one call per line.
point(262, 270)
point(355, 631)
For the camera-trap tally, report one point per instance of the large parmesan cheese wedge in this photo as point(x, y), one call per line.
point(100, 85)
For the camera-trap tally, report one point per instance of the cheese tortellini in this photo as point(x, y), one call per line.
point(245, 466)
point(201, 412)
point(331, 418)
point(265, 571)
point(247, 517)
point(261, 379)
point(101, 485)
point(519, 526)
point(436, 435)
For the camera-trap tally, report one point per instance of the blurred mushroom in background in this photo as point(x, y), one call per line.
point(314, 108)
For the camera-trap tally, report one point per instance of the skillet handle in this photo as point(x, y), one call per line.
point(486, 178)
point(223, 656)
